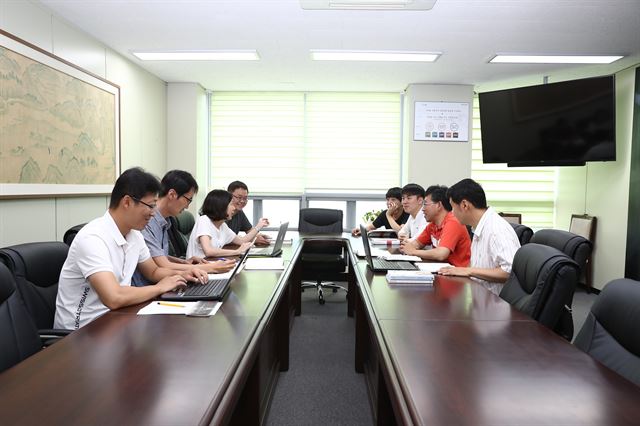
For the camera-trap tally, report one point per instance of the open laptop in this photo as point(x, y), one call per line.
point(382, 265)
point(274, 251)
point(215, 289)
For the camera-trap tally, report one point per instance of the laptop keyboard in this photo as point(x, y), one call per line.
point(390, 264)
point(212, 288)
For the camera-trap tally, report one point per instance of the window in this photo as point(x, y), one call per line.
point(289, 142)
point(529, 191)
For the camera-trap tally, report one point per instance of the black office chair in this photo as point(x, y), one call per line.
point(36, 270)
point(541, 285)
point(610, 332)
point(18, 335)
point(322, 261)
point(523, 232)
point(576, 247)
point(181, 227)
point(71, 234)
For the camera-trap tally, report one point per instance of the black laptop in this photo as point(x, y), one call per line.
point(215, 289)
point(382, 265)
point(274, 251)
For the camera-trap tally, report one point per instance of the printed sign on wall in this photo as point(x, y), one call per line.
point(441, 121)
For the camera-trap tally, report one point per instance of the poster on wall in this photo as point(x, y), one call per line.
point(441, 121)
point(59, 125)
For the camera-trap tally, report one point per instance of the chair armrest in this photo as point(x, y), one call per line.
point(49, 336)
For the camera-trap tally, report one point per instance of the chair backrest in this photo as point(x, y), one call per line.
point(320, 221)
point(36, 269)
point(541, 284)
point(583, 225)
point(576, 247)
point(179, 232)
point(610, 332)
point(523, 232)
point(71, 234)
point(511, 217)
point(18, 335)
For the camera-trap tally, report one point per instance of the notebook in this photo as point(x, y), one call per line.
point(215, 289)
point(381, 265)
point(274, 251)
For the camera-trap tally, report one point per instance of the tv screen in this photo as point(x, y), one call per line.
point(555, 124)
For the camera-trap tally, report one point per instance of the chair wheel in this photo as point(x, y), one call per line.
point(335, 290)
point(321, 300)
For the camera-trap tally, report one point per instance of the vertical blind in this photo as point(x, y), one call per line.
point(529, 191)
point(289, 142)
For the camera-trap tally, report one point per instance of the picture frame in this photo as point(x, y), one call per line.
point(441, 121)
point(59, 125)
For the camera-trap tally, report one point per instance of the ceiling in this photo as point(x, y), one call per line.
point(467, 32)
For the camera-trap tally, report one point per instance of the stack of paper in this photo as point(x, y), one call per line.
point(410, 277)
point(385, 241)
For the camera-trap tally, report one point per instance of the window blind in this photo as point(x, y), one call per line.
point(529, 191)
point(289, 142)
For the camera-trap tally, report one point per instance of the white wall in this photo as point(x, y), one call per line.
point(431, 163)
point(142, 114)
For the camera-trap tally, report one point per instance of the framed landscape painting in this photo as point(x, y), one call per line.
point(59, 125)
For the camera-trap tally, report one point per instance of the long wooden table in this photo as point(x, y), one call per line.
point(453, 354)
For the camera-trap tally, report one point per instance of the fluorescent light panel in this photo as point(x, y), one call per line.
point(199, 55)
point(373, 56)
point(367, 4)
point(554, 59)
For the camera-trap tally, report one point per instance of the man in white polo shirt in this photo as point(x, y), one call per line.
point(494, 242)
point(412, 200)
point(96, 276)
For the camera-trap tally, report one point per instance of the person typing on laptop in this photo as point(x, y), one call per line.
point(444, 239)
point(96, 275)
point(211, 232)
point(177, 190)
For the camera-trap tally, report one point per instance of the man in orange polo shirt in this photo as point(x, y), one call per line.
point(448, 238)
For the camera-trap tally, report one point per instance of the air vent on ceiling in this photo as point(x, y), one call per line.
point(367, 4)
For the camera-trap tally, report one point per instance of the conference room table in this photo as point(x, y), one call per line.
point(451, 353)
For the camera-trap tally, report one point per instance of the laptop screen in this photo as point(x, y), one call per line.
point(365, 245)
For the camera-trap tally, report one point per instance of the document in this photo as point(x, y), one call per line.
point(432, 266)
point(375, 252)
point(264, 263)
point(179, 308)
point(407, 257)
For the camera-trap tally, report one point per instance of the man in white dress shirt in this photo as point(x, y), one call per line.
point(494, 242)
point(412, 200)
point(96, 276)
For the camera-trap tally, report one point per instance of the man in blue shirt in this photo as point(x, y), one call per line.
point(176, 193)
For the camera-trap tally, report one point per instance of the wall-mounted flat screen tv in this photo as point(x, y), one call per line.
point(555, 124)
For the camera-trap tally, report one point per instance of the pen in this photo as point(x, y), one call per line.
point(177, 305)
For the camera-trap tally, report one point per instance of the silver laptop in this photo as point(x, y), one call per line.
point(274, 251)
point(382, 265)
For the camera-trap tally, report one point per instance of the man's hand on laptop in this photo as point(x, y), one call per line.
point(195, 275)
point(244, 247)
point(262, 240)
point(171, 283)
point(220, 266)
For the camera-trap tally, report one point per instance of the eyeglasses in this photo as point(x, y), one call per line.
point(241, 199)
point(425, 204)
point(138, 200)
point(187, 198)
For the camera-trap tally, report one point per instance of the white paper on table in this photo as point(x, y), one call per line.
point(432, 266)
point(265, 263)
point(224, 274)
point(157, 308)
point(385, 241)
point(401, 257)
point(375, 252)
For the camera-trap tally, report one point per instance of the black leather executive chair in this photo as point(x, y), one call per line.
point(322, 261)
point(181, 227)
point(523, 232)
point(610, 332)
point(541, 285)
point(71, 234)
point(576, 247)
point(18, 335)
point(36, 270)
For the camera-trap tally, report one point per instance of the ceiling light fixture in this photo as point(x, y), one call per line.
point(554, 59)
point(367, 4)
point(373, 56)
point(198, 55)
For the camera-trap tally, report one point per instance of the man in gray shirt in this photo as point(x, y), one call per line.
point(176, 193)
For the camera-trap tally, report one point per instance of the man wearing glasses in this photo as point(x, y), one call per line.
point(96, 276)
point(239, 222)
point(444, 239)
point(177, 190)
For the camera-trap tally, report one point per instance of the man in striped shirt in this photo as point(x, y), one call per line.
point(494, 242)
